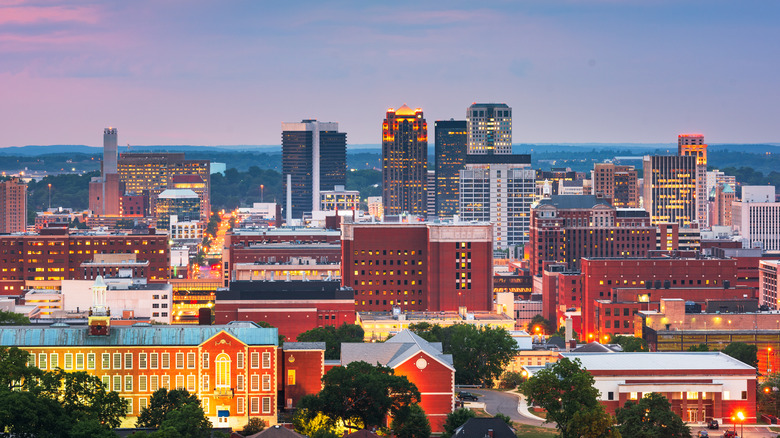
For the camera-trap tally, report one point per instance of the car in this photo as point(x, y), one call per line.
point(730, 434)
point(712, 424)
point(703, 434)
point(467, 396)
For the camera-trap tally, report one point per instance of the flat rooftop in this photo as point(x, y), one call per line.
point(659, 361)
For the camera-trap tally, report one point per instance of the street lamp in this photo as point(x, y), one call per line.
point(262, 191)
point(741, 417)
point(49, 195)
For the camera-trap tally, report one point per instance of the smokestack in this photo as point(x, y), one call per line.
point(289, 199)
point(569, 332)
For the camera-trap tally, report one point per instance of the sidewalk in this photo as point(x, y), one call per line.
point(522, 408)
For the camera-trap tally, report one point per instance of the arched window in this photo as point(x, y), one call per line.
point(223, 371)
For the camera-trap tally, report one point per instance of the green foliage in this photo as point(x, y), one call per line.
point(185, 421)
point(456, 419)
point(561, 333)
point(650, 417)
point(756, 177)
point(67, 190)
point(743, 352)
point(505, 418)
point(91, 428)
point(162, 403)
point(313, 424)
point(367, 181)
point(479, 354)
point(700, 347)
point(769, 394)
point(83, 397)
point(24, 414)
point(511, 380)
point(254, 426)
point(545, 326)
point(630, 343)
point(333, 337)
point(360, 395)
point(566, 392)
point(411, 422)
point(235, 188)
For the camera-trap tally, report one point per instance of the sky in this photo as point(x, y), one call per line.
point(230, 72)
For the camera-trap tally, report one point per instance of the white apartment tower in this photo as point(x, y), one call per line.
point(489, 129)
point(757, 217)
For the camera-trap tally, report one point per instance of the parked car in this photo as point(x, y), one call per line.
point(467, 396)
point(703, 434)
point(712, 424)
point(730, 434)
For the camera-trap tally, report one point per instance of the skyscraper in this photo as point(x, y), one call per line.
point(451, 143)
point(404, 161)
point(669, 188)
point(617, 183)
point(13, 206)
point(693, 145)
point(315, 155)
point(489, 128)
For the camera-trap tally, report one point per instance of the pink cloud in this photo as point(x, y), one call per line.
point(47, 14)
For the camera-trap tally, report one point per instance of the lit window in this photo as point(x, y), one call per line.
point(223, 371)
point(290, 377)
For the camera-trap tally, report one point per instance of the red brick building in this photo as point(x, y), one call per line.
point(13, 206)
point(291, 306)
point(421, 362)
point(567, 228)
point(426, 266)
point(301, 371)
point(43, 260)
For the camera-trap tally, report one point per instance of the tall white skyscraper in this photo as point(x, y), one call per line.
point(489, 129)
point(109, 151)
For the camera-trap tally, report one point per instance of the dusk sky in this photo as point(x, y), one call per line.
point(230, 72)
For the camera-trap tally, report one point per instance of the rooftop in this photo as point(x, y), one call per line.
point(571, 202)
point(659, 361)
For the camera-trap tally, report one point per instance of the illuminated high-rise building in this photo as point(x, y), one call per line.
point(404, 161)
point(314, 154)
point(489, 128)
point(693, 145)
point(451, 142)
point(13, 206)
point(670, 188)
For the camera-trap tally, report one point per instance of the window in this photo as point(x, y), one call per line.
point(179, 361)
point(179, 381)
point(205, 403)
point(239, 405)
point(105, 361)
point(106, 382)
point(117, 361)
point(191, 383)
point(143, 403)
point(90, 361)
point(142, 383)
point(205, 386)
point(222, 377)
point(240, 360)
point(117, 383)
point(632, 396)
point(129, 405)
point(142, 361)
point(266, 360)
point(128, 383)
point(128, 361)
point(68, 361)
point(290, 377)
point(79, 360)
point(154, 383)
point(166, 382)
point(267, 382)
point(166, 361)
point(42, 361)
point(726, 395)
point(266, 405)
point(255, 360)
point(153, 361)
point(240, 382)
point(191, 360)
point(204, 361)
point(254, 407)
point(254, 383)
point(744, 395)
point(55, 360)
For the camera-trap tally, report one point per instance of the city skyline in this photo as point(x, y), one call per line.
point(216, 74)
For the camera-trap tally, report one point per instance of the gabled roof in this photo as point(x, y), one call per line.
point(303, 346)
point(362, 433)
point(593, 347)
point(394, 351)
point(246, 332)
point(276, 431)
point(480, 427)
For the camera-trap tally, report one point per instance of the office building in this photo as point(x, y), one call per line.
point(619, 184)
point(339, 199)
point(716, 177)
point(499, 189)
point(404, 162)
point(489, 129)
point(757, 217)
point(430, 190)
point(418, 266)
point(693, 145)
point(720, 206)
point(314, 154)
point(451, 144)
point(769, 288)
point(13, 206)
point(670, 188)
point(375, 207)
point(182, 203)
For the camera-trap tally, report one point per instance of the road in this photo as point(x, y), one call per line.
point(507, 404)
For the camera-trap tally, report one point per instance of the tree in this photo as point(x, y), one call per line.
point(511, 380)
point(456, 419)
point(411, 422)
point(700, 347)
point(566, 392)
point(505, 418)
point(13, 318)
point(769, 394)
point(650, 417)
point(479, 354)
point(360, 395)
point(743, 352)
point(630, 343)
point(187, 420)
point(333, 337)
point(254, 426)
point(90, 429)
point(84, 397)
point(540, 325)
point(163, 402)
point(23, 414)
point(561, 333)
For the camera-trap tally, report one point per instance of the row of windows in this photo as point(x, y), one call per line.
point(119, 383)
point(118, 361)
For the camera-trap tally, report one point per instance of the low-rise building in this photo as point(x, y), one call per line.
point(378, 326)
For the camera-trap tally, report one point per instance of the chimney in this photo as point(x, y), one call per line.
point(490, 433)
